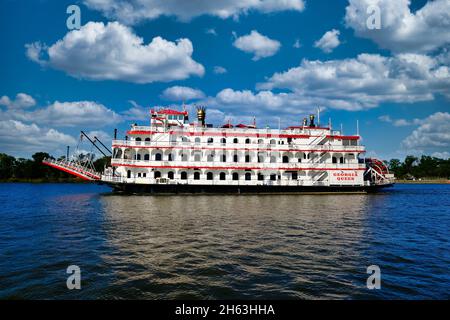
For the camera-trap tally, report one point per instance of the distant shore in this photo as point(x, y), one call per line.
point(424, 181)
point(74, 180)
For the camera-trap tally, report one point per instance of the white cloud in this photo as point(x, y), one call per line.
point(17, 137)
point(22, 100)
point(63, 114)
point(402, 30)
point(432, 135)
point(257, 44)
point(399, 122)
point(114, 52)
point(179, 93)
point(134, 11)
point(219, 70)
point(211, 31)
point(136, 112)
point(329, 41)
point(366, 81)
point(297, 44)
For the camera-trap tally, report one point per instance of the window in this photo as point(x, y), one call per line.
point(294, 175)
point(129, 174)
point(247, 140)
point(184, 139)
point(170, 157)
point(260, 177)
point(197, 140)
point(235, 140)
point(147, 157)
point(272, 141)
point(222, 176)
point(138, 139)
point(144, 174)
point(158, 157)
point(209, 176)
point(235, 158)
point(211, 157)
point(273, 177)
point(260, 141)
point(138, 157)
point(334, 160)
point(248, 176)
point(341, 160)
point(223, 140)
point(235, 176)
point(139, 174)
point(224, 158)
point(170, 175)
point(184, 175)
point(197, 157)
point(247, 158)
point(184, 157)
point(196, 175)
point(210, 140)
point(273, 159)
point(147, 139)
point(157, 174)
point(285, 159)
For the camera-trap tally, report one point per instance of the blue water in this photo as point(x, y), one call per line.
point(220, 247)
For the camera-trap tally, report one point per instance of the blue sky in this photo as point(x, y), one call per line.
point(277, 59)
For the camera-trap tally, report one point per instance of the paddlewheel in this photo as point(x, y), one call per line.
point(378, 172)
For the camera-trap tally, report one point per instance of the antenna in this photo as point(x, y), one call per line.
point(342, 129)
point(357, 128)
point(318, 116)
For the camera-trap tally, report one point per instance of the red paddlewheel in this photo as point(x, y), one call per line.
point(378, 165)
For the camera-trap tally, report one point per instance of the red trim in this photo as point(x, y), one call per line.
point(344, 137)
point(236, 168)
point(236, 134)
point(247, 149)
point(168, 111)
point(307, 127)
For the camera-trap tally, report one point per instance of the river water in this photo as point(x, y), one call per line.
point(224, 246)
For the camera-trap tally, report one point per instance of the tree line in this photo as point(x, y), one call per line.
point(21, 169)
point(425, 167)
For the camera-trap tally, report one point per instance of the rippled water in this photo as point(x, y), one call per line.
point(225, 246)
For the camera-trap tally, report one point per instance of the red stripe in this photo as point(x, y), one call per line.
point(248, 149)
point(236, 134)
point(234, 168)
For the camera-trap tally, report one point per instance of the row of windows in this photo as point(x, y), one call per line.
point(210, 176)
point(222, 140)
point(223, 158)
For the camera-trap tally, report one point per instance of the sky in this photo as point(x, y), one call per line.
point(383, 63)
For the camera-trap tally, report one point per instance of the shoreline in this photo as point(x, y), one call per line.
point(426, 181)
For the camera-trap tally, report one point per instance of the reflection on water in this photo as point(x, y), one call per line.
point(220, 247)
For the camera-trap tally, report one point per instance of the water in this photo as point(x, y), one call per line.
point(221, 247)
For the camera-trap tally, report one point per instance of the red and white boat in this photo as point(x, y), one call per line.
point(174, 155)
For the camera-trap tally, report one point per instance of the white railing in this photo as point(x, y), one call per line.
point(229, 146)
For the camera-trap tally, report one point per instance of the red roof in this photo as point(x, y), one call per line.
point(169, 111)
point(228, 125)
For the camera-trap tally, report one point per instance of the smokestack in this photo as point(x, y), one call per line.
point(201, 115)
point(115, 134)
point(67, 155)
point(311, 120)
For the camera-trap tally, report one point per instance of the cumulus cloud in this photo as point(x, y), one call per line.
point(63, 114)
point(134, 11)
point(329, 41)
point(257, 44)
point(402, 30)
point(219, 70)
point(366, 81)
point(432, 135)
point(113, 52)
point(179, 93)
point(17, 137)
point(22, 100)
